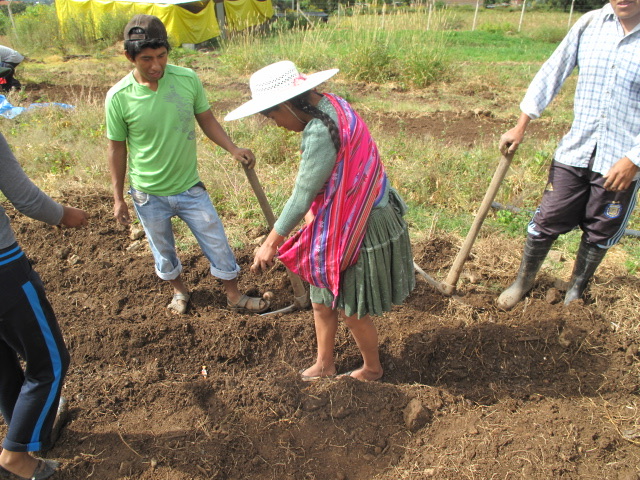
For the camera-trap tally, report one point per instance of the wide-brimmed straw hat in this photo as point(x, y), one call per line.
point(275, 84)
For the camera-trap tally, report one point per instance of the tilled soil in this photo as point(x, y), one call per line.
point(469, 392)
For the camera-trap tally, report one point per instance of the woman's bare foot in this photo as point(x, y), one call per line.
point(316, 372)
point(365, 374)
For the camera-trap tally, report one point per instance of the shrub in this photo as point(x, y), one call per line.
point(366, 49)
point(85, 31)
point(37, 28)
point(291, 21)
point(5, 24)
point(110, 28)
point(422, 71)
point(370, 62)
point(79, 31)
point(16, 7)
point(492, 27)
point(549, 34)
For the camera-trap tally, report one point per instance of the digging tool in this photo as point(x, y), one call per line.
point(430, 280)
point(449, 285)
point(300, 295)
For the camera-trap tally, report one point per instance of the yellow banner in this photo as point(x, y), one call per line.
point(241, 14)
point(193, 22)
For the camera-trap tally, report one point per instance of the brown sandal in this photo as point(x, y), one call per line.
point(247, 304)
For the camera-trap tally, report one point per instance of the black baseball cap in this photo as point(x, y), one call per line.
point(145, 27)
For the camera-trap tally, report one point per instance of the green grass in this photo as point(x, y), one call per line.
point(396, 62)
point(632, 246)
point(473, 46)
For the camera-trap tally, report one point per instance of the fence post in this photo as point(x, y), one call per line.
point(475, 15)
point(524, 4)
point(570, 14)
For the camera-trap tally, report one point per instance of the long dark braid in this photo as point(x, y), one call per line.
point(301, 102)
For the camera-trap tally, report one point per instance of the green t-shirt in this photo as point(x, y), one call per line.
point(159, 128)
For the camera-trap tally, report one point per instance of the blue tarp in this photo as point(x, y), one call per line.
point(9, 111)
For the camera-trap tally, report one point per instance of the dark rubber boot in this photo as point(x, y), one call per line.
point(587, 261)
point(535, 251)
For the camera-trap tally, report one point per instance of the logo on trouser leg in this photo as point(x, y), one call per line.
point(549, 187)
point(613, 210)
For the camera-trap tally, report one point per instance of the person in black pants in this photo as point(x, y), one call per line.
point(29, 331)
point(9, 60)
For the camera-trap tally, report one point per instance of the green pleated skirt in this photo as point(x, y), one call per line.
point(383, 276)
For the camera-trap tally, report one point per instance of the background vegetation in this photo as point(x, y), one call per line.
point(403, 63)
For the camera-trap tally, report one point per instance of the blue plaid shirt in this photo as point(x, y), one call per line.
point(607, 97)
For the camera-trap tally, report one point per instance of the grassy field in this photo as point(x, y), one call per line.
point(392, 67)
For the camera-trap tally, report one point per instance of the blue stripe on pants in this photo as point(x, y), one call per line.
point(632, 205)
point(54, 355)
point(9, 252)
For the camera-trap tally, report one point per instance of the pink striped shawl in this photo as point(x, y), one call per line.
point(331, 243)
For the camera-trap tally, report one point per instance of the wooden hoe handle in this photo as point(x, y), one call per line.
point(300, 294)
point(449, 285)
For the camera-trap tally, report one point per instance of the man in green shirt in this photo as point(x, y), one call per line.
point(151, 115)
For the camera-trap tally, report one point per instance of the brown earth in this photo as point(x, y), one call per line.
point(460, 127)
point(469, 392)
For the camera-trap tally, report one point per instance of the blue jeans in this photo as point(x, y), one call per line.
point(194, 207)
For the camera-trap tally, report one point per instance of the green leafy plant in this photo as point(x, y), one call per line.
point(513, 224)
point(37, 28)
point(5, 24)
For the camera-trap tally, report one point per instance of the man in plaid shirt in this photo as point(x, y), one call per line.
point(593, 178)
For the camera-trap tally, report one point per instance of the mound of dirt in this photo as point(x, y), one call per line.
point(469, 391)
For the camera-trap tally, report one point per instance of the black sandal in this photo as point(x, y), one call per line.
point(44, 469)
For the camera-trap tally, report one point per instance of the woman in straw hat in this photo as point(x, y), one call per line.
point(354, 249)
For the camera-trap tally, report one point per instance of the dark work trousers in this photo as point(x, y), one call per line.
point(29, 330)
point(12, 82)
point(575, 197)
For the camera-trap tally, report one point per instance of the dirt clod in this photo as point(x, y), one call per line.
point(416, 415)
point(553, 296)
